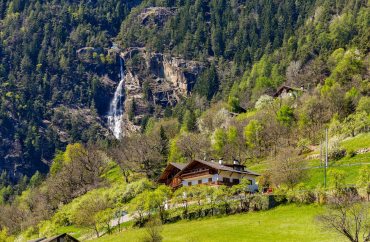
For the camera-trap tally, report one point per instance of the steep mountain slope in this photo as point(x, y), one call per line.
point(59, 70)
point(49, 97)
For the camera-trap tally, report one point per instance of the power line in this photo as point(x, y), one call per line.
point(323, 166)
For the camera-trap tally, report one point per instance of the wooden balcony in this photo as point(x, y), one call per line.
point(176, 182)
point(196, 173)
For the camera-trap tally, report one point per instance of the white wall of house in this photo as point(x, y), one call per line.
point(194, 180)
point(234, 175)
point(219, 177)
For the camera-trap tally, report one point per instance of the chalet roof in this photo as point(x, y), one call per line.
point(168, 169)
point(37, 240)
point(179, 166)
point(65, 236)
point(289, 88)
point(218, 166)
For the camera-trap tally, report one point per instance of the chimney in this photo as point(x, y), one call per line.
point(220, 161)
point(302, 87)
point(236, 162)
point(212, 160)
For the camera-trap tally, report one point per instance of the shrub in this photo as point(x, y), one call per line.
point(263, 102)
point(321, 195)
point(259, 202)
point(153, 231)
point(62, 218)
point(303, 146)
point(301, 195)
point(351, 153)
point(290, 196)
point(195, 212)
point(364, 105)
point(174, 215)
point(4, 236)
point(305, 197)
point(337, 153)
point(281, 194)
point(47, 228)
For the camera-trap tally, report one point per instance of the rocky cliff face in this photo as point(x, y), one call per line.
point(154, 81)
point(155, 16)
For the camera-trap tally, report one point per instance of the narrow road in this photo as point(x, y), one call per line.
point(120, 220)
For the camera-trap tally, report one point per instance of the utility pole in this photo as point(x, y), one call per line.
point(321, 153)
point(326, 156)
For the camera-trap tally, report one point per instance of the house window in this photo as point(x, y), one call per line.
point(189, 184)
point(226, 180)
point(199, 181)
point(210, 179)
point(236, 181)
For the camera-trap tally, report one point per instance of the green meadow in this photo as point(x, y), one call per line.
point(284, 223)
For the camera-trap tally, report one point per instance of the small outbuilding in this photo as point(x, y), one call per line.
point(288, 91)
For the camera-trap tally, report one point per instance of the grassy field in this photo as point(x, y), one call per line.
point(350, 165)
point(358, 142)
point(284, 223)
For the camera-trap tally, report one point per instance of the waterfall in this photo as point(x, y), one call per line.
point(116, 106)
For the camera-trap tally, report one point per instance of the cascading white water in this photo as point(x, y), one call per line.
point(116, 106)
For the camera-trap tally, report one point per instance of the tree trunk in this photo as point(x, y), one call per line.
point(96, 231)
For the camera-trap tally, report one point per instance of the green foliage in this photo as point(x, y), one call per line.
point(347, 66)
point(263, 102)
point(234, 104)
point(5, 237)
point(135, 188)
point(259, 78)
point(301, 195)
point(252, 133)
point(363, 182)
point(164, 141)
point(132, 109)
point(220, 140)
point(174, 152)
point(92, 212)
point(207, 84)
point(364, 105)
point(153, 229)
point(338, 179)
point(47, 228)
point(36, 179)
point(189, 122)
point(285, 115)
point(57, 162)
point(356, 123)
point(341, 29)
point(336, 153)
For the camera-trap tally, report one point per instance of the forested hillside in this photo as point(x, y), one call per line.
point(199, 80)
point(48, 97)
